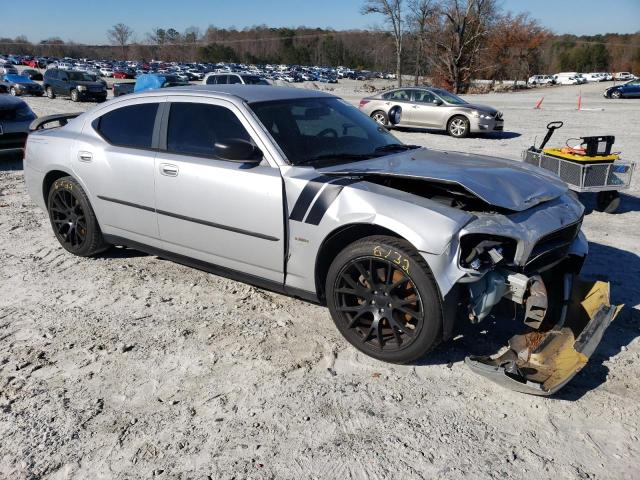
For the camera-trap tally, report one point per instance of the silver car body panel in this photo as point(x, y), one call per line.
point(271, 221)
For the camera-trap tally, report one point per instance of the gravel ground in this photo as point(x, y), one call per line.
point(128, 366)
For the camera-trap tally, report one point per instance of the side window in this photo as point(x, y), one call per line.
point(234, 79)
point(423, 96)
point(194, 128)
point(399, 95)
point(130, 126)
point(52, 74)
point(211, 80)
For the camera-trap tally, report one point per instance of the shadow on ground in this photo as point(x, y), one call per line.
point(628, 203)
point(494, 332)
point(488, 136)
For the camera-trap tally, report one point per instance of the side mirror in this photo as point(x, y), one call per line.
point(238, 150)
point(395, 115)
point(437, 101)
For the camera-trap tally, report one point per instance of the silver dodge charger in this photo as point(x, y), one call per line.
point(298, 192)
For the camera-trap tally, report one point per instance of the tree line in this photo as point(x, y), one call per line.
point(448, 42)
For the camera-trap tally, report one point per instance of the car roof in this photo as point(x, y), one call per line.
point(248, 93)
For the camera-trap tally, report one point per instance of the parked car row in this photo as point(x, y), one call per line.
point(577, 78)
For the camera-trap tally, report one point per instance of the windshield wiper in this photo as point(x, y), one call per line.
point(392, 147)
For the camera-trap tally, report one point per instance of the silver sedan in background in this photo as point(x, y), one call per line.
point(433, 108)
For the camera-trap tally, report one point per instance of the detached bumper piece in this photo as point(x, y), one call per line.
point(541, 362)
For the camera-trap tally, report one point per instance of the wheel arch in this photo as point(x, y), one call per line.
point(344, 235)
point(337, 240)
point(51, 177)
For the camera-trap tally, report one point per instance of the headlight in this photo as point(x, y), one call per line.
point(81, 88)
point(479, 251)
point(479, 114)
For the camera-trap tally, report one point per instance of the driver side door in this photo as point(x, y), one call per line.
point(424, 111)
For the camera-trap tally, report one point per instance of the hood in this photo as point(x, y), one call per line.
point(482, 108)
point(88, 83)
point(503, 183)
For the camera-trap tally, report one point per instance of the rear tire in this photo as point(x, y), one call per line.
point(384, 300)
point(73, 220)
point(458, 126)
point(50, 93)
point(381, 118)
point(13, 92)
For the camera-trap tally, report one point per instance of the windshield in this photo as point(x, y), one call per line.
point(322, 131)
point(79, 77)
point(450, 97)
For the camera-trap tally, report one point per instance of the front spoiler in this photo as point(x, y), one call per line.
point(542, 362)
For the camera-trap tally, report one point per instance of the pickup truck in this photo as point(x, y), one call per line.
point(148, 81)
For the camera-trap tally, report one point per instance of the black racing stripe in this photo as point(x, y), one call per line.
point(128, 204)
point(326, 198)
point(217, 225)
point(191, 219)
point(307, 195)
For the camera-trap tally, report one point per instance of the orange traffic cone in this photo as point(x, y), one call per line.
point(580, 101)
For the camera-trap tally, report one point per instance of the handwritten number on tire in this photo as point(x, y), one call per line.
point(392, 256)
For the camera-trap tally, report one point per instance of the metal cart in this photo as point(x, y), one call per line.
point(605, 178)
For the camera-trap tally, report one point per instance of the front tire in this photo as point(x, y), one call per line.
point(458, 126)
point(75, 95)
point(384, 300)
point(50, 93)
point(616, 95)
point(73, 220)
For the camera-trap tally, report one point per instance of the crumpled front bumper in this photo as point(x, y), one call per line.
point(541, 362)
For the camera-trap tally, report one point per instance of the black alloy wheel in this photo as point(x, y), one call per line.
point(68, 219)
point(384, 300)
point(73, 220)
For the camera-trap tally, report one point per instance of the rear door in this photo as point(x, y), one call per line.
point(225, 213)
point(115, 158)
point(402, 98)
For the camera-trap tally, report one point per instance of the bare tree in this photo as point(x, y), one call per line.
point(458, 36)
point(420, 14)
point(120, 34)
point(392, 11)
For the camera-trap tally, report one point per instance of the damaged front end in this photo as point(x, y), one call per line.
point(541, 361)
point(564, 317)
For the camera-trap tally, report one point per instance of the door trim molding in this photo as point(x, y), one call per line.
point(191, 219)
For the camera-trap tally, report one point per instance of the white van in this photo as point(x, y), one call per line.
point(569, 78)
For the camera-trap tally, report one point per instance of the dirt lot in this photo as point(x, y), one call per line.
point(128, 366)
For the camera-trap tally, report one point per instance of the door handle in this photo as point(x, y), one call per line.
point(85, 156)
point(169, 169)
point(416, 106)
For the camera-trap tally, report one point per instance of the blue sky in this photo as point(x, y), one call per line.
point(86, 21)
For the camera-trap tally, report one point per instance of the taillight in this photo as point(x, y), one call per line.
point(363, 102)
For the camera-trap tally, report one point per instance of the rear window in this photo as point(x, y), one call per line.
point(130, 126)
